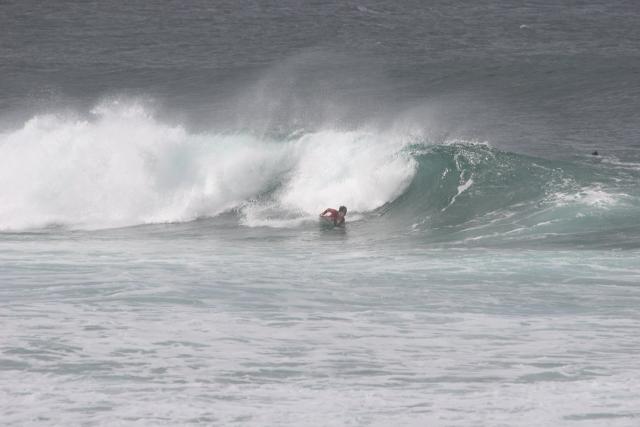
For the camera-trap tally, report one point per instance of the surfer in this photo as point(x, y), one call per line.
point(337, 216)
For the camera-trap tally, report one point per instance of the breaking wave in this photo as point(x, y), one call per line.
point(122, 166)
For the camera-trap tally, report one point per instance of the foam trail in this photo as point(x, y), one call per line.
point(594, 196)
point(461, 189)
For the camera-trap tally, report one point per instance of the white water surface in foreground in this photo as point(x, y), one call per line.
point(313, 329)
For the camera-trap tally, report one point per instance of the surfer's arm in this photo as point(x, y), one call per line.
point(325, 211)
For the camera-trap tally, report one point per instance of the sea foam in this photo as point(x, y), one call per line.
point(122, 166)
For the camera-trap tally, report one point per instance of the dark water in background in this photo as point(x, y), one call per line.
point(162, 164)
point(539, 77)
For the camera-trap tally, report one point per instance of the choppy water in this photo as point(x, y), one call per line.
point(161, 171)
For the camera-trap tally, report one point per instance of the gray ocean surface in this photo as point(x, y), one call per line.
point(162, 166)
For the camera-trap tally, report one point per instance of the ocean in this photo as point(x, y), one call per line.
point(163, 165)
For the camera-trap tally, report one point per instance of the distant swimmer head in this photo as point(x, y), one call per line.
point(343, 210)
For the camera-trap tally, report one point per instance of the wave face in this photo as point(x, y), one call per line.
point(124, 167)
point(475, 193)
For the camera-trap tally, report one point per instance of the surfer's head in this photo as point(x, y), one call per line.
point(342, 210)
